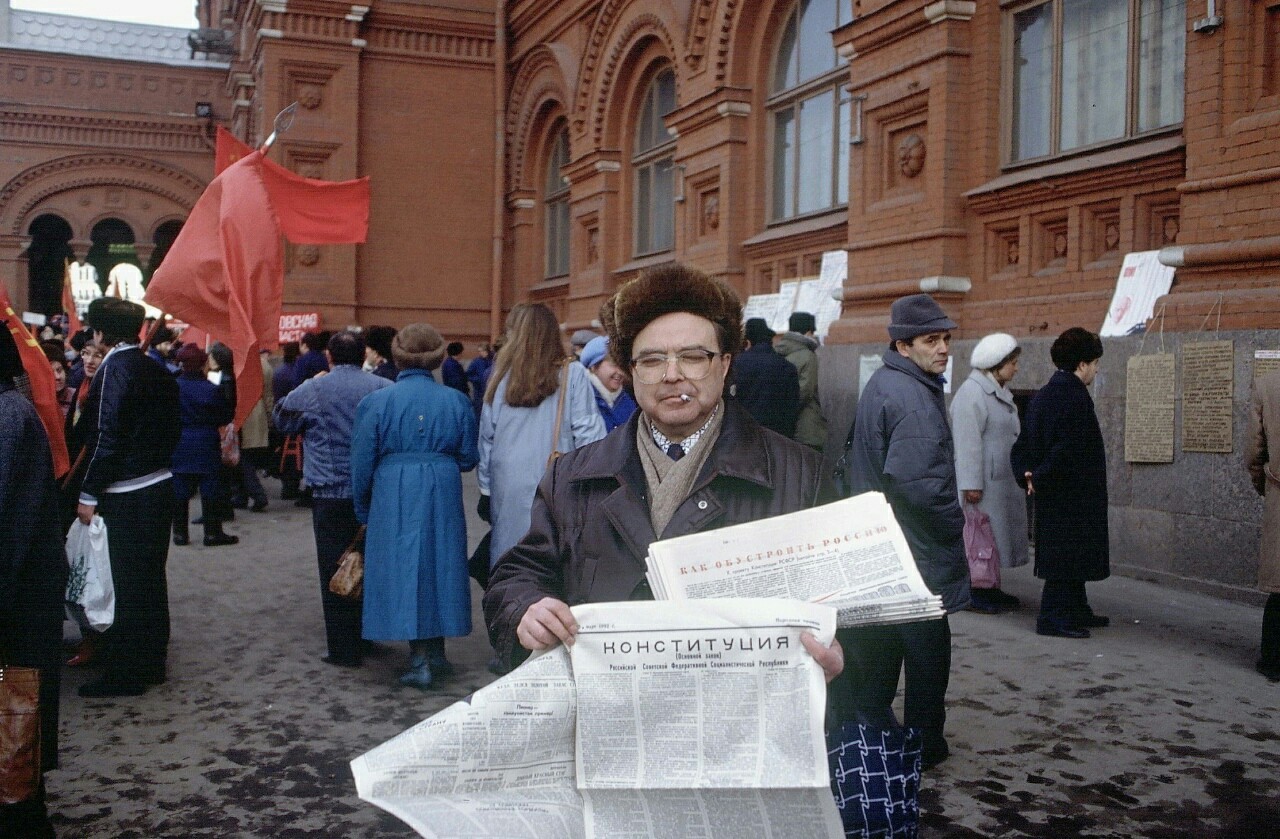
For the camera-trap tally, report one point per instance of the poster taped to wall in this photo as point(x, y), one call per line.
point(1142, 280)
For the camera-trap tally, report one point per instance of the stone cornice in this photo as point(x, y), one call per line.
point(721, 103)
point(37, 128)
point(878, 29)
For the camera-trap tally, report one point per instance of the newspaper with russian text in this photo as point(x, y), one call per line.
point(850, 554)
point(663, 720)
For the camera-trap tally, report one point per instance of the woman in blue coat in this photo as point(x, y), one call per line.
point(411, 443)
point(197, 461)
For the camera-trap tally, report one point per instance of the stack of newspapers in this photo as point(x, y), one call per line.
point(849, 554)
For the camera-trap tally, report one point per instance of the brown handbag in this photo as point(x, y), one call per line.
point(348, 580)
point(555, 432)
point(19, 733)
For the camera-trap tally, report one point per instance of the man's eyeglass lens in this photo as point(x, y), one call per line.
point(692, 364)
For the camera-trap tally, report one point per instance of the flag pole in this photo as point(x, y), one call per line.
point(282, 122)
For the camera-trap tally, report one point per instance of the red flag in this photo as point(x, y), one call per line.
point(69, 302)
point(227, 150)
point(225, 271)
point(43, 392)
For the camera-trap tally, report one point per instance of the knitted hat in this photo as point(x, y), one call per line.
point(662, 291)
point(583, 337)
point(992, 350)
point(915, 315)
point(418, 346)
point(594, 352)
point(115, 317)
point(191, 357)
point(757, 331)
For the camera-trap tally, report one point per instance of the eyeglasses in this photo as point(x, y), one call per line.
point(692, 364)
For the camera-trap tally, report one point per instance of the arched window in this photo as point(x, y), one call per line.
point(653, 160)
point(555, 202)
point(809, 113)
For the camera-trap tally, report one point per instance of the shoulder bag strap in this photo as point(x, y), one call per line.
point(564, 386)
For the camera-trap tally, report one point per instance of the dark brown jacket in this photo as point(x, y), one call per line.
point(590, 529)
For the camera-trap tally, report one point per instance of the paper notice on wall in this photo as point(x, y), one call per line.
point(867, 364)
point(1142, 280)
point(760, 306)
point(1265, 362)
point(1207, 389)
point(1149, 403)
point(787, 294)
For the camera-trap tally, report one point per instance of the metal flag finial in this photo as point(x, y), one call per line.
point(283, 120)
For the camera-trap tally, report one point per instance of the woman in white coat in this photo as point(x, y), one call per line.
point(984, 424)
point(519, 418)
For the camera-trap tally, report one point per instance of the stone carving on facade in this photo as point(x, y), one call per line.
point(911, 154)
point(309, 96)
point(308, 255)
point(711, 213)
point(591, 60)
point(1111, 235)
point(1169, 230)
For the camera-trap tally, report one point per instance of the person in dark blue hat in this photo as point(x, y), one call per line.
point(902, 447)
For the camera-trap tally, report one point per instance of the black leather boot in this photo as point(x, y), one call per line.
point(181, 532)
point(214, 536)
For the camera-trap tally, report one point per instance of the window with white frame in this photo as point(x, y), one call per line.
point(653, 161)
point(1086, 72)
point(555, 203)
point(809, 108)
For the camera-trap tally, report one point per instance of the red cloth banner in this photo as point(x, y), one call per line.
point(225, 271)
point(43, 392)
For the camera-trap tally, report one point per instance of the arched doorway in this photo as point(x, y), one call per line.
point(113, 243)
point(46, 263)
point(164, 236)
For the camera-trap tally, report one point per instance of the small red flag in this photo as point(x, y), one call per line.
point(225, 271)
point(43, 392)
point(227, 150)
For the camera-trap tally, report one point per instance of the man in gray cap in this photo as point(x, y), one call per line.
point(580, 339)
point(902, 447)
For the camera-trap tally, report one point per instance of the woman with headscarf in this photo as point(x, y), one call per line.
point(519, 418)
point(615, 404)
point(984, 425)
point(33, 572)
point(197, 460)
point(1061, 459)
point(410, 444)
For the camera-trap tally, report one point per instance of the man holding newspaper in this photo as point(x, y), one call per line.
point(688, 461)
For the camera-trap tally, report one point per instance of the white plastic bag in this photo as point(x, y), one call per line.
point(89, 582)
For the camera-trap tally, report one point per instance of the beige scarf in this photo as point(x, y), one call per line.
point(670, 481)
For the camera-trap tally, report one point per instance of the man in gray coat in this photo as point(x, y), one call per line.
point(902, 447)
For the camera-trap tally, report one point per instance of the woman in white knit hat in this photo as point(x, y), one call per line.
point(984, 423)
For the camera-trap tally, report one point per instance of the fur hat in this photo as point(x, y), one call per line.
point(917, 314)
point(595, 351)
point(191, 358)
point(115, 317)
point(418, 346)
point(661, 291)
point(992, 350)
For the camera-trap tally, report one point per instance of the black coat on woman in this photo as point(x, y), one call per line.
point(1062, 447)
point(33, 566)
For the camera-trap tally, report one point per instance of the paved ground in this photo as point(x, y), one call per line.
point(1156, 727)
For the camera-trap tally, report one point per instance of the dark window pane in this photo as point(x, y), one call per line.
point(784, 69)
point(817, 54)
point(644, 209)
point(1032, 82)
point(842, 152)
point(663, 205)
point(784, 170)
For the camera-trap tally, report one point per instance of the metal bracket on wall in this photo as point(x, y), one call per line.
point(1211, 20)
point(857, 138)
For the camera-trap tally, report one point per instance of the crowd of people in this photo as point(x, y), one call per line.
point(679, 418)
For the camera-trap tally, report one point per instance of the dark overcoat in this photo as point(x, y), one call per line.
point(203, 407)
point(768, 386)
point(33, 565)
point(1062, 447)
point(590, 527)
point(902, 447)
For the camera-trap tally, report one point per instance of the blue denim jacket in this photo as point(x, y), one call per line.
point(324, 409)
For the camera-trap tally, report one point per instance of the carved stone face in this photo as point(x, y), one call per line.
point(911, 154)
